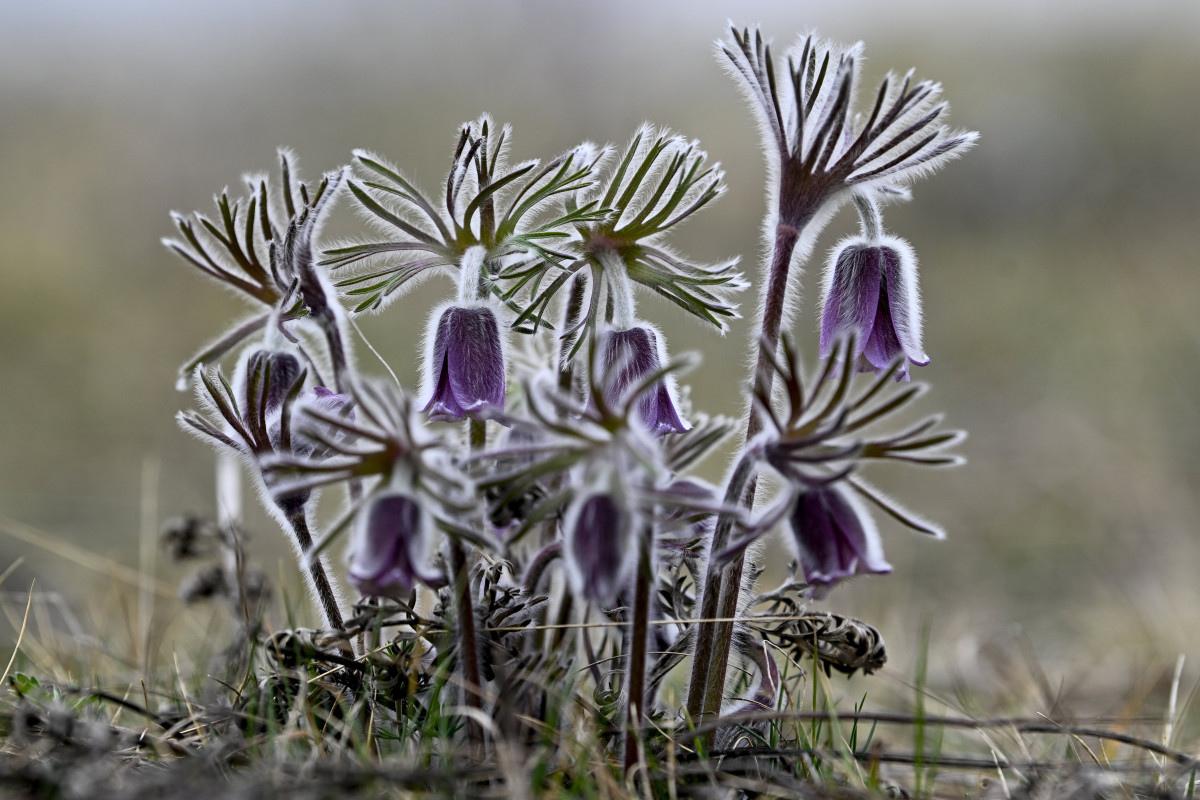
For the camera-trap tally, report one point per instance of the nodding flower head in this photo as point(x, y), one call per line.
point(871, 292)
point(466, 364)
point(599, 547)
point(389, 552)
point(626, 358)
point(835, 537)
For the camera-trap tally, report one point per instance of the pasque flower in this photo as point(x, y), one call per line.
point(834, 536)
point(390, 549)
point(599, 548)
point(466, 364)
point(626, 358)
point(871, 293)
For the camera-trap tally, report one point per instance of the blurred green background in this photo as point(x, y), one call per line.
point(1058, 259)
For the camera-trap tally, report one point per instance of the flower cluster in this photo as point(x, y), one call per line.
point(551, 432)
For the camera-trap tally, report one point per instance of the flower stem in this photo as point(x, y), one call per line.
point(620, 290)
point(869, 217)
point(468, 643)
point(325, 596)
point(468, 640)
point(639, 634)
point(722, 590)
point(702, 654)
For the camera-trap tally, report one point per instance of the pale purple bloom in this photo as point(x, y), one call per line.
point(871, 292)
point(390, 550)
point(626, 358)
point(835, 538)
point(599, 546)
point(466, 367)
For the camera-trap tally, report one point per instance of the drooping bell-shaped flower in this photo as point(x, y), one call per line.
point(871, 292)
point(390, 548)
point(835, 537)
point(466, 364)
point(626, 358)
point(599, 547)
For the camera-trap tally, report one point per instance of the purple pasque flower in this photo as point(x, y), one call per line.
point(599, 547)
point(871, 292)
point(626, 358)
point(466, 364)
point(835, 537)
point(389, 551)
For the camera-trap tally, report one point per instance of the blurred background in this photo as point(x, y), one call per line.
point(1058, 260)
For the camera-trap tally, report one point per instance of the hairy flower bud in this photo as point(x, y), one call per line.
point(268, 378)
point(835, 538)
point(871, 292)
point(599, 547)
point(390, 548)
point(627, 357)
point(466, 364)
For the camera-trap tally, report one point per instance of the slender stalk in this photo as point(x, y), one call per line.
point(325, 596)
point(869, 217)
point(570, 320)
point(460, 567)
point(702, 654)
point(635, 713)
point(722, 589)
point(620, 289)
point(468, 641)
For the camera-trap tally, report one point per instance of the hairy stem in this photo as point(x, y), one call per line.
point(460, 566)
point(468, 642)
point(702, 654)
point(721, 590)
point(635, 711)
point(325, 598)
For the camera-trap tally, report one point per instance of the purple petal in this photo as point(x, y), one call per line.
point(625, 357)
point(835, 538)
point(853, 299)
point(389, 551)
point(628, 356)
point(900, 273)
point(666, 418)
point(597, 548)
point(330, 402)
point(882, 347)
point(475, 358)
point(468, 359)
point(443, 407)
